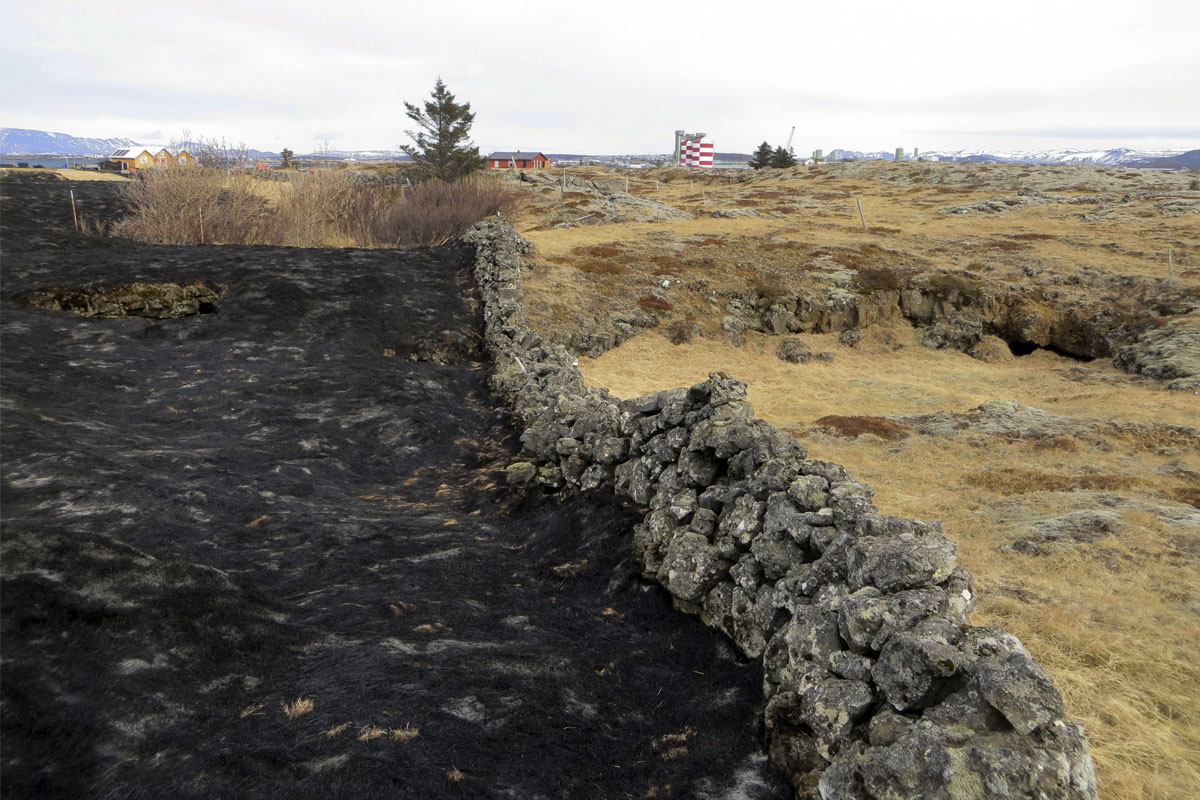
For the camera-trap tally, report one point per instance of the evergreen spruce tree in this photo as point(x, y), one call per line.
point(288, 157)
point(443, 149)
point(782, 158)
point(761, 157)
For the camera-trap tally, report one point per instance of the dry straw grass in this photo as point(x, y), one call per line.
point(1116, 620)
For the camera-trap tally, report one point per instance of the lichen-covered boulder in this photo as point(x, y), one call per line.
point(691, 567)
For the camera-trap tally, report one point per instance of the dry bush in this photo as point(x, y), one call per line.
point(320, 206)
point(649, 302)
point(681, 331)
point(434, 213)
point(191, 206)
point(882, 427)
point(180, 206)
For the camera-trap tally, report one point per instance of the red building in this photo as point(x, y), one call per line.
point(517, 160)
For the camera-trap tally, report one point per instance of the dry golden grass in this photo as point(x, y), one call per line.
point(369, 733)
point(901, 204)
point(86, 175)
point(405, 734)
point(298, 708)
point(1115, 621)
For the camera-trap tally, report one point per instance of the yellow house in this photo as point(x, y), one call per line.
point(134, 158)
point(165, 158)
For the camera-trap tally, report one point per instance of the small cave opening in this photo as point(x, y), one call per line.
point(1021, 348)
point(137, 299)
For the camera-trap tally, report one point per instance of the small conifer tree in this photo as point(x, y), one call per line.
point(761, 157)
point(782, 158)
point(443, 149)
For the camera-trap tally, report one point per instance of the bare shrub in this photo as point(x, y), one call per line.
point(433, 212)
point(211, 152)
point(320, 207)
point(681, 331)
point(191, 206)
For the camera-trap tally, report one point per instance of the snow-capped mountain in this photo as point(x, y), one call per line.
point(23, 142)
point(355, 155)
point(1116, 157)
point(26, 142)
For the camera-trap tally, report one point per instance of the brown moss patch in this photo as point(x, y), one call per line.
point(1014, 480)
point(858, 425)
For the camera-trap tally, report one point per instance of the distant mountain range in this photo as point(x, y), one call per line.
point(26, 142)
point(1116, 157)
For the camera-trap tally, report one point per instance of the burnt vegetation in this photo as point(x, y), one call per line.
point(268, 552)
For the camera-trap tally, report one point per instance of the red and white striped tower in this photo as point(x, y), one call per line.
point(696, 153)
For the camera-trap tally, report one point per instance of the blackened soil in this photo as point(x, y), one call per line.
point(295, 499)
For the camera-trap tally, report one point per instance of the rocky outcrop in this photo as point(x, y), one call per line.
point(1171, 352)
point(154, 300)
point(877, 684)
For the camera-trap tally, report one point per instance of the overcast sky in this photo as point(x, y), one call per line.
point(613, 77)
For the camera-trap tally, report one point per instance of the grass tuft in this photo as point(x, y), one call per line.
point(298, 708)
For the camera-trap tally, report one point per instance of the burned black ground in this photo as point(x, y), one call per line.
point(297, 496)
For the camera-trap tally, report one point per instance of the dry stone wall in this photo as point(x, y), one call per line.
point(877, 684)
